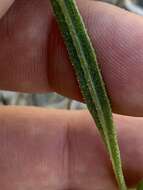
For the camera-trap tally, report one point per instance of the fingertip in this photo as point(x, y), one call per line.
point(117, 38)
point(40, 62)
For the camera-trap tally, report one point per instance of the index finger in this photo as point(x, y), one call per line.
point(63, 150)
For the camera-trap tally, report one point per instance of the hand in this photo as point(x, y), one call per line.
point(42, 149)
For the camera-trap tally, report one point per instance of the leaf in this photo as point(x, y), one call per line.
point(140, 186)
point(83, 58)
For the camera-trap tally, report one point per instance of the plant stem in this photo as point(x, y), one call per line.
point(90, 80)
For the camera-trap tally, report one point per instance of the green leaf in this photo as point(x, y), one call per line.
point(83, 58)
point(140, 186)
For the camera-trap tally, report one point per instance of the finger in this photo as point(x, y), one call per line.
point(33, 57)
point(61, 150)
point(4, 6)
point(116, 35)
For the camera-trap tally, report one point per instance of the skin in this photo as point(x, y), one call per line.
point(61, 150)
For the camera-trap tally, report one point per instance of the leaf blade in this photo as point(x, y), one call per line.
point(88, 73)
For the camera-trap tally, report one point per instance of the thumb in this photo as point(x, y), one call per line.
point(33, 57)
point(4, 6)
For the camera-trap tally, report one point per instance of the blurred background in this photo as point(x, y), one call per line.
point(53, 100)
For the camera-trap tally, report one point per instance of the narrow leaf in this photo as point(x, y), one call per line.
point(83, 58)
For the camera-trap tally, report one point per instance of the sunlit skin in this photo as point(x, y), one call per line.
point(61, 150)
